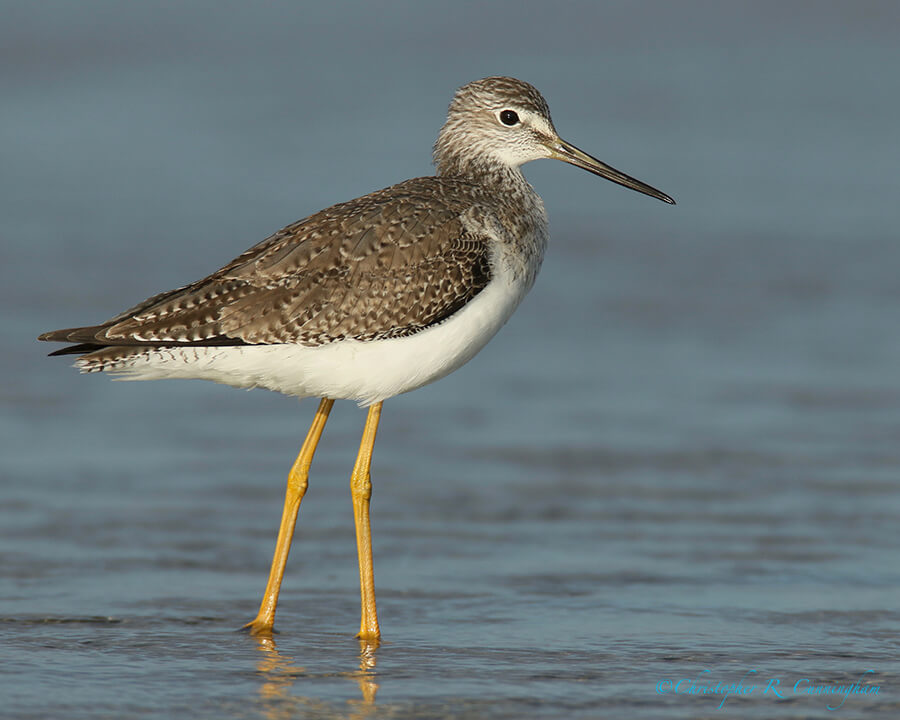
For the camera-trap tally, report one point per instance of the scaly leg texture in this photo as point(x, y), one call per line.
point(296, 489)
point(361, 491)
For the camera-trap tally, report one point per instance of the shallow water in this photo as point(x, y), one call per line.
point(678, 462)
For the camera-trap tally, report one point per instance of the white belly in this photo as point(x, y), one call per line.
point(366, 372)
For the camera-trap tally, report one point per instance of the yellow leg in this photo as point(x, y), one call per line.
point(296, 489)
point(361, 491)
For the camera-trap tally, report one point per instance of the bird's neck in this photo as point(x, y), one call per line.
point(518, 208)
point(497, 178)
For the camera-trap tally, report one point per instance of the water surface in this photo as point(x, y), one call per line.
point(678, 461)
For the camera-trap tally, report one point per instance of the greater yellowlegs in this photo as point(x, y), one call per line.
point(364, 300)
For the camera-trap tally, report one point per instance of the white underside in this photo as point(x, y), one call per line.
point(366, 372)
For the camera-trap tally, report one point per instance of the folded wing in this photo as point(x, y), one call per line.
point(385, 265)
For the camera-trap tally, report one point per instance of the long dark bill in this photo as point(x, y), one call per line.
point(571, 154)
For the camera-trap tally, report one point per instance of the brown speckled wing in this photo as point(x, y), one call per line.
point(385, 265)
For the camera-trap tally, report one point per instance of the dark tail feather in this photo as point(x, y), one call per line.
point(86, 340)
point(84, 337)
point(74, 335)
point(79, 349)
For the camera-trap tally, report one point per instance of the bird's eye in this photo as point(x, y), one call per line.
point(509, 117)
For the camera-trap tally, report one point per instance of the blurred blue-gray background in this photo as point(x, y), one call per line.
point(679, 460)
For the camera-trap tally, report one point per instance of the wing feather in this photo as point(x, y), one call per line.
point(388, 264)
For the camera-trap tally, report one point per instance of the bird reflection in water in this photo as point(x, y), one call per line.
point(279, 673)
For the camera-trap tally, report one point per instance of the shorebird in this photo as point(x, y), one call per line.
point(366, 299)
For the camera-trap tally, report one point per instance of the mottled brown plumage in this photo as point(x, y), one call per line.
point(384, 265)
